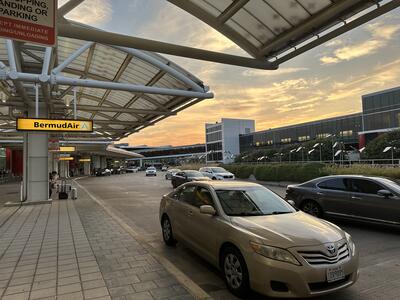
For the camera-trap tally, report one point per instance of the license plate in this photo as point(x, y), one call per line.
point(334, 274)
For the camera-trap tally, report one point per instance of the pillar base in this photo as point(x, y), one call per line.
point(9, 204)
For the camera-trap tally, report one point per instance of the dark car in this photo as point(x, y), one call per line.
point(187, 176)
point(103, 172)
point(373, 199)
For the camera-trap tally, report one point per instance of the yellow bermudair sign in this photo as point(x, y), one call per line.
point(24, 124)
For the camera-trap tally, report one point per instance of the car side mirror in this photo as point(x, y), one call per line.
point(291, 202)
point(207, 210)
point(385, 193)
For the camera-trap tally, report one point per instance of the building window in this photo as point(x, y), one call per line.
point(304, 138)
point(322, 135)
point(346, 133)
point(286, 140)
point(270, 142)
point(247, 130)
point(258, 144)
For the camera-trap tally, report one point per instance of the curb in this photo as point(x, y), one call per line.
point(194, 289)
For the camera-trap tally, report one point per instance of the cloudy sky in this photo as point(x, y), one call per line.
point(324, 82)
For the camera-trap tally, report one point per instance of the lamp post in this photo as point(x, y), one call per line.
point(290, 154)
point(280, 156)
point(302, 153)
point(320, 150)
point(309, 152)
point(391, 148)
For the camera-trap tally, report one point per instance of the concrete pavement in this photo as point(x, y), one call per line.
point(75, 250)
point(137, 200)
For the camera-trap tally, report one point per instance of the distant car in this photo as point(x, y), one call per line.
point(164, 168)
point(258, 240)
point(119, 170)
point(187, 176)
point(217, 173)
point(170, 173)
point(103, 172)
point(132, 169)
point(372, 199)
point(151, 171)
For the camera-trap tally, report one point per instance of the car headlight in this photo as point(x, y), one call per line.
point(350, 243)
point(274, 253)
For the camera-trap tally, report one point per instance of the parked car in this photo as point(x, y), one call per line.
point(187, 176)
point(217, 173)
point(118, 170)
point(164, 169)
point(151, 171)
point(132, 169)
point(170, 173)
point(372, 199)
point(259, 240)
point(103, 172)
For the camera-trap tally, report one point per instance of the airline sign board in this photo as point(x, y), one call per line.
point(25, 124)
point(29, 21)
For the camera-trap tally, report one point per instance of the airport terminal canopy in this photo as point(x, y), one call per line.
point(122, 90)
point(271, 31)
point(278, 30)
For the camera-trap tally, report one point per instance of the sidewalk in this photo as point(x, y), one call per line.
point(75, 250)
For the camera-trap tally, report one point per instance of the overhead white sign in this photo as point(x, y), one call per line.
point(29, 20)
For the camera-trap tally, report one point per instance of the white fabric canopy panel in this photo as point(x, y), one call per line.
point(267, 29)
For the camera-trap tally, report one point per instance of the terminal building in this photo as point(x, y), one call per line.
point(222, 138)
point(380, 113)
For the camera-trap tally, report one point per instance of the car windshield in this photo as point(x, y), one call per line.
point(193, 174)
point(219, 170)
point(393, 185)
point(257, 201)
point(151, 168)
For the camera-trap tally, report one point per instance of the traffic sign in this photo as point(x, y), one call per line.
point(25, 124)
point(29, 21)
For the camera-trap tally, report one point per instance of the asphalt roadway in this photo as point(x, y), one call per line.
point(135, 198)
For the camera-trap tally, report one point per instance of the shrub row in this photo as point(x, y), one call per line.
point(388, 172)
point(304, 172)
point(278, 172)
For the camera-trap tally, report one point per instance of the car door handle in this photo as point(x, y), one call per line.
point(320, 194)
point(356, 198)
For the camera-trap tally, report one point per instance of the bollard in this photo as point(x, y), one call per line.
point(74, 193)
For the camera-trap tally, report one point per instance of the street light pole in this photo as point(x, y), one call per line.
point(320, 152)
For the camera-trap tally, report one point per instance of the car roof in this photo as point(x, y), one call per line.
point(220, 184)
point(349, 176)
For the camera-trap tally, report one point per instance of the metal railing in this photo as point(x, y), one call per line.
point(8, 177)
point(395, 163)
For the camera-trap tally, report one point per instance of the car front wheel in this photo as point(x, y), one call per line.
point(235, 272)
point(168, 236)
point(313, 208)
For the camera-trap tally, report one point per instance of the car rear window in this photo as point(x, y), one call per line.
point(339, 184)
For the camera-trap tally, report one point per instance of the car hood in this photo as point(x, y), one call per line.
point(290, 230)
point(223, 173)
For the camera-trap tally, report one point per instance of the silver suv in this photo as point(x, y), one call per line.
point(217, 173)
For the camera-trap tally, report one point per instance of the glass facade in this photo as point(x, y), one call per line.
point(381, 110)
point(345, 129)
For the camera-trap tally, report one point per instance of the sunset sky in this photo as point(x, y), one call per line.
point(324, 82)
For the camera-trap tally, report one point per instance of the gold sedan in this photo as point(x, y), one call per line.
point(258, 240)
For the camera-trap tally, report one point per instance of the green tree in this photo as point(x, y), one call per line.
point(374, 149)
